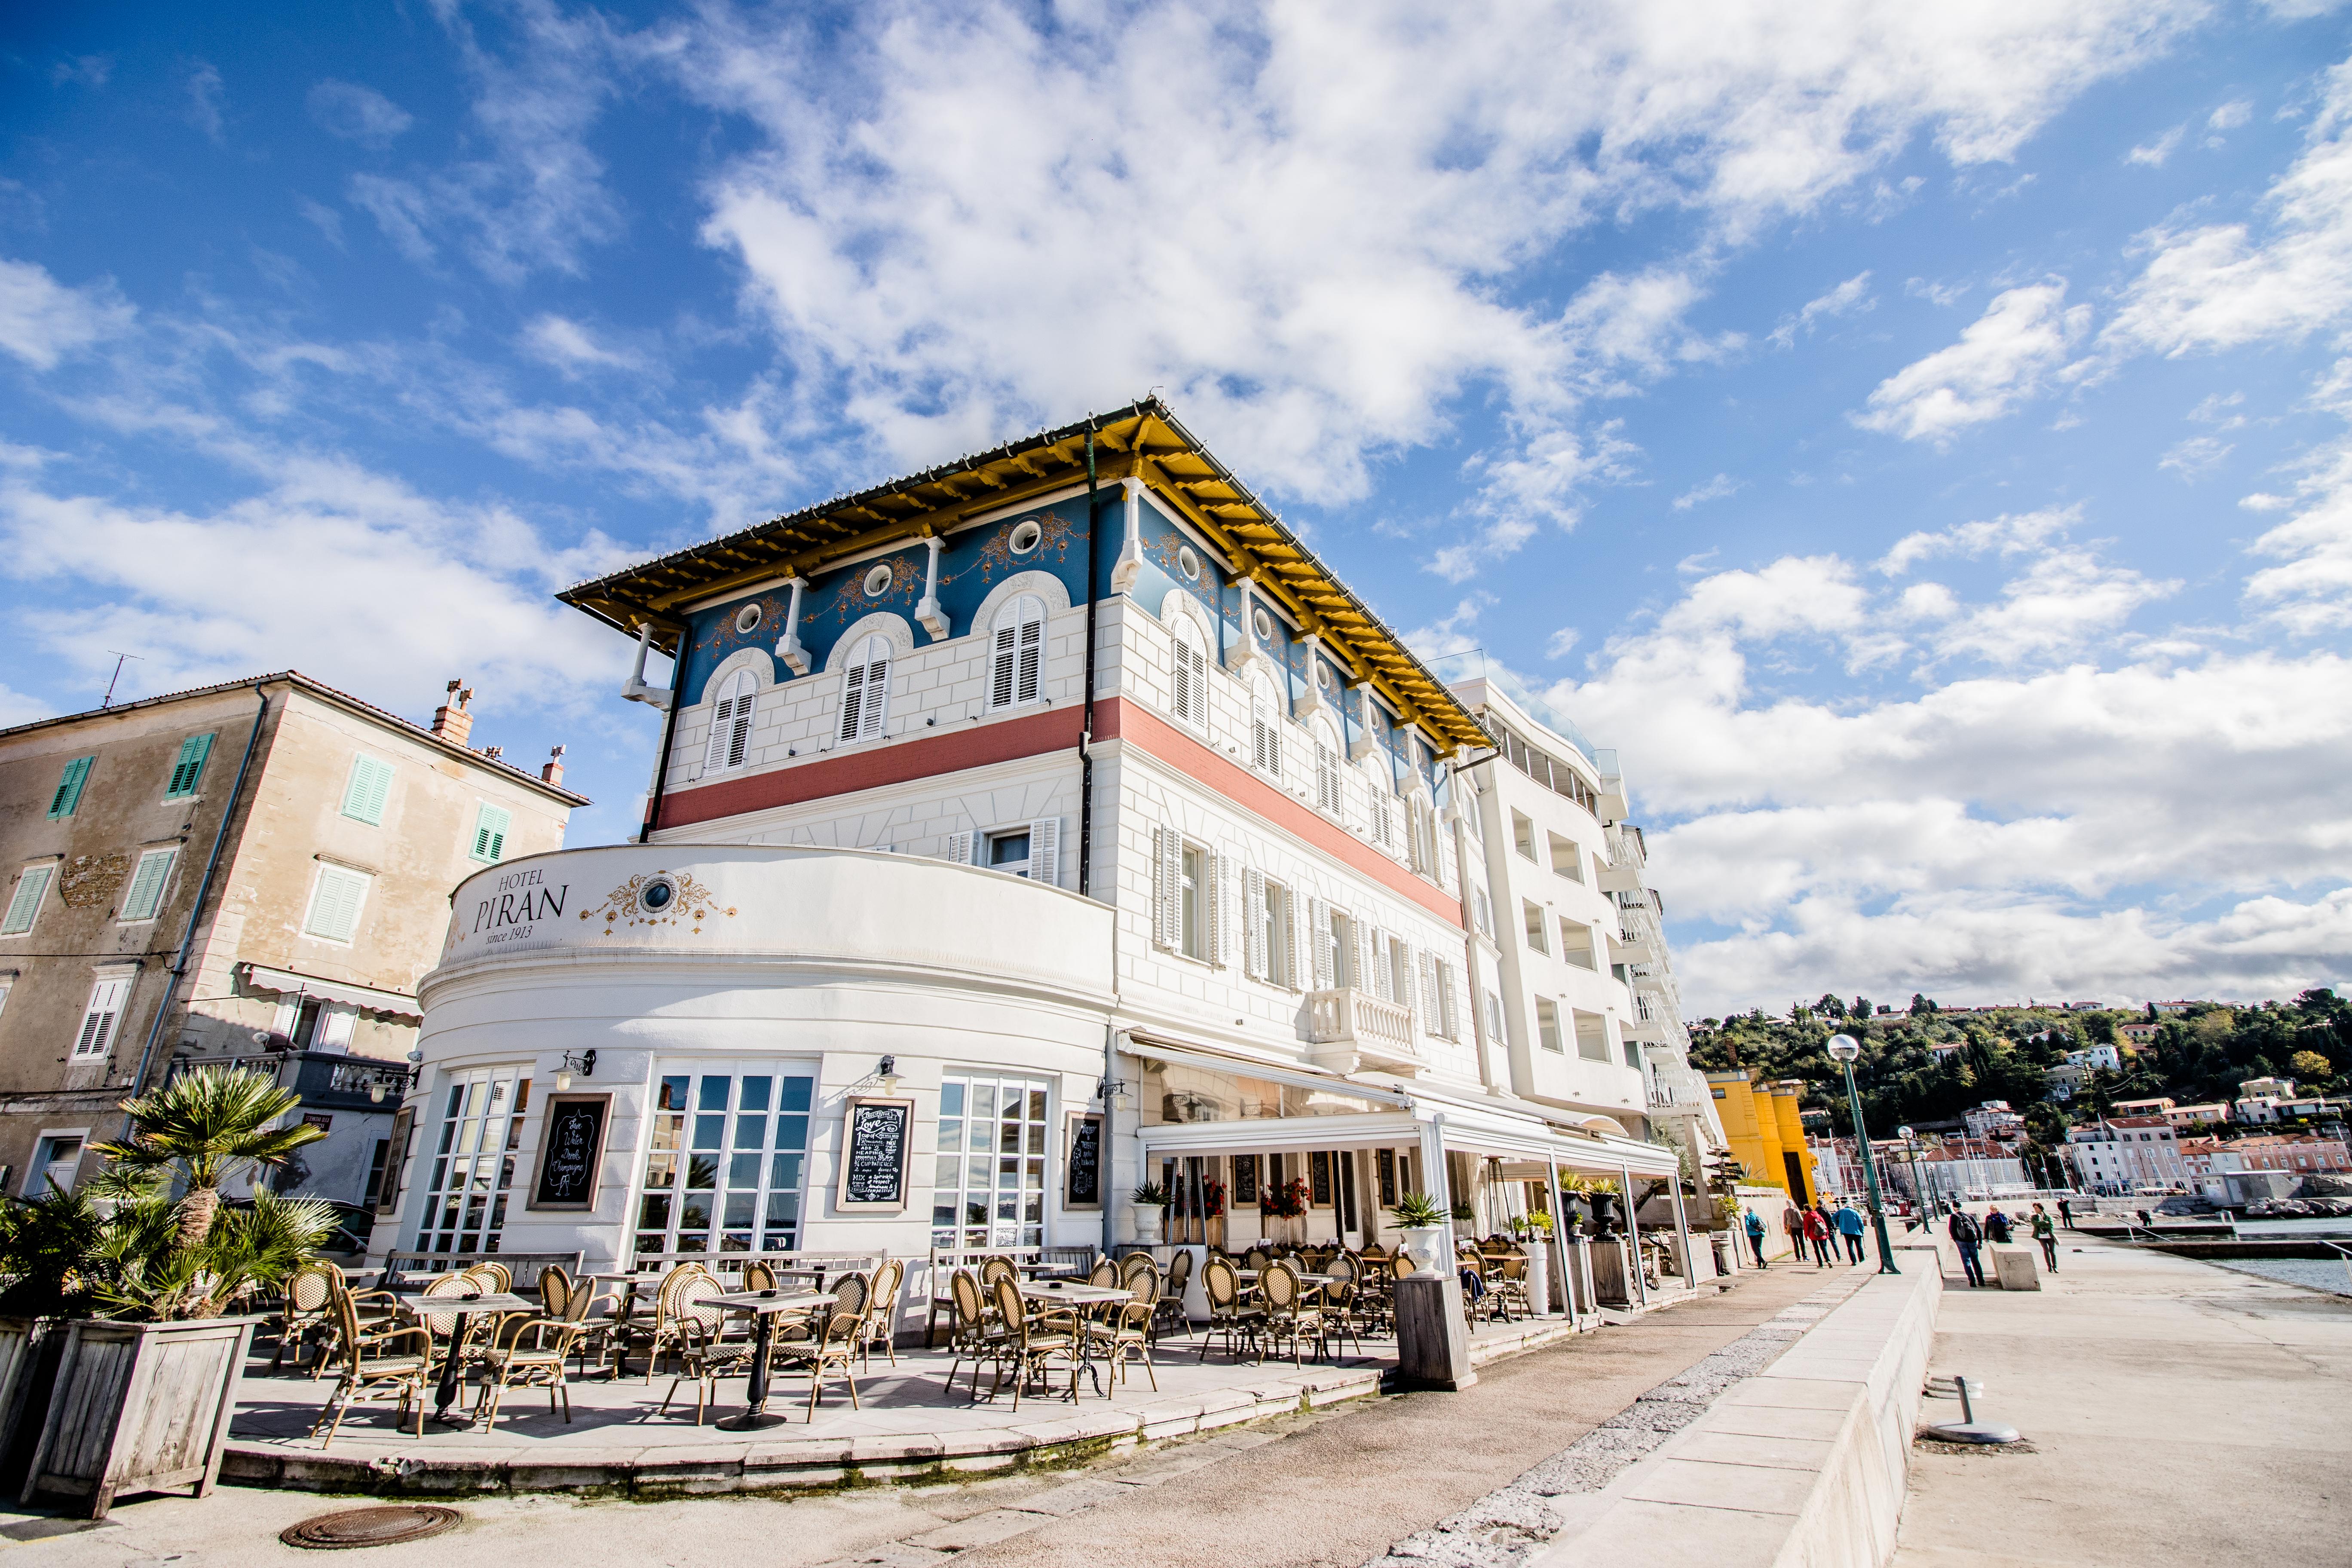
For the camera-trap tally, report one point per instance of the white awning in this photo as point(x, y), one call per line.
point(290, 982)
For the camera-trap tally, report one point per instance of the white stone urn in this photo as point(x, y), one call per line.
point(1425, 1244)
point(1149, 1220)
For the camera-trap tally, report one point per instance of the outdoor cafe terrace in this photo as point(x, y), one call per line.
point(915, 1412)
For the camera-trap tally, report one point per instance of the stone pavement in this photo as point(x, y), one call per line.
point(1336, 1485)
point(2178, 1413)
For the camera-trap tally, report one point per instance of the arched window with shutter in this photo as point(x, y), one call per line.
point(1190, 693)
point(1326, 769)
point(730, 723)
point(865, 690)
point(1265, 731)
point(1017, 653)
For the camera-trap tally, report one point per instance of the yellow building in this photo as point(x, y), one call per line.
point(1766, 1133)
point(1786, 1097)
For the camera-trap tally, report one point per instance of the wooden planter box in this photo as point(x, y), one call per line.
point(138, 1407)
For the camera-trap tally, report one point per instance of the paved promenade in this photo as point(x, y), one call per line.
point(2179, 1414)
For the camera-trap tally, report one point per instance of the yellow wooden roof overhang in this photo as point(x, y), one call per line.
point(1144, 439)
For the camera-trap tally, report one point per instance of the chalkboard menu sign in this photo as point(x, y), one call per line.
point(873, 1154)
point(1082, 1179)
point(395, 1159)
point(1245, 1178)
point(570, 1151)
point(1319, 1179)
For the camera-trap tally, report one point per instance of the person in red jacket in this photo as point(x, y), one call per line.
point(1817, 1231)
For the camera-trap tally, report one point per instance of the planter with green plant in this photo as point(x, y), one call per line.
point(1151, 1200)
point(1422, 1218)
point(154, 1290)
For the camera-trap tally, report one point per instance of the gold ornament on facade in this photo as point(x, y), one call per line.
point(658, 899)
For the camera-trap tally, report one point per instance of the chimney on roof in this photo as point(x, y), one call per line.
point(496, 754)
point(552, 774)
point(450, 721)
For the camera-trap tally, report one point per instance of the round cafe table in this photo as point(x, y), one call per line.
point(465, 1308)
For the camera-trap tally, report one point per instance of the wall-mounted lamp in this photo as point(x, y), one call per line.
point(1111, 1094)
point(584, 1064)
point(887, 1074)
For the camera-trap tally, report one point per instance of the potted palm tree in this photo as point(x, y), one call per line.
point(1151, 1200)
point(153, 1285)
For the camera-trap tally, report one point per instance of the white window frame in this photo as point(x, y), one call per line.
point(153, 883)
point(1538, 922)
point(1523, 833)
point(1188, 891)
point(1016, 659)
point(1188, 685)
point(327, 871)
point(1573, 853)
point(1576, 943)
point(982, 1171)
point(101, 1016)
point(729, 745)
point(865, 691)
point(1265, 732)
point(45, 1157)
point(1548, 1032)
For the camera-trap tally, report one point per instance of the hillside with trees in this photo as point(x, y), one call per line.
point(2006, 1054)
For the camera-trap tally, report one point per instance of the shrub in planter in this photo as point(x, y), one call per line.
point(152, 1286)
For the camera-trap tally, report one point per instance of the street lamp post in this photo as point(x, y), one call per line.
point(1844, 1049)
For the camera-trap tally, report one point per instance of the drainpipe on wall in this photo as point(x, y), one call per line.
point(196, 911)
point(1105, 1156)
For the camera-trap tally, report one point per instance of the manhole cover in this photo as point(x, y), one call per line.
point(369, 1527)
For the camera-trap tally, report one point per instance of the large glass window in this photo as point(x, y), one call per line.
point(474, 1161)
point(726, 1163)
point(989, 1189)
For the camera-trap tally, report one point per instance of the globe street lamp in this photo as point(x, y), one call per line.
point(1844, 1049)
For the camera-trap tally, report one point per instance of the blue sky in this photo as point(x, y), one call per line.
point(1913, 437)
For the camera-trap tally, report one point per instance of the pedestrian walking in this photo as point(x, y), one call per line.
point(2066, 1213)
point(1968, 1235)
point(2047, 1234)
point(1849, 1226)
point(1817, 1232)
point(1792, 1220)
point(1756, 1237)
point(1997, 1226)
point(2145, 1223)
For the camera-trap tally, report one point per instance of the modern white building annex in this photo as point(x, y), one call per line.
point(1037, 825)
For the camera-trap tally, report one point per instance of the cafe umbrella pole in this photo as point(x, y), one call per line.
point(1844, 1049)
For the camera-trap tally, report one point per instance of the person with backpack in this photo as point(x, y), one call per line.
point(2047, 1234)
point(1817, 1231)
point(1997, 1226)
point(1755, 1236)
point(1968, 1235)
point(1850, 1227)
point(1792, 1220)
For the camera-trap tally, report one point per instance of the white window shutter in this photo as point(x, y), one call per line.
point(1368, 974)
point(1319, 936)
point(877, 691)
point(1214, 897)
point(1411, 1000)
point(852, 706)
point(1046, 851)
point(738, 727)
point(24, 904)
point(1302, 952)
point(1001, 666)
point(1432, 1020)
point(1253, 943)
point(98, 1019)
point(1033, 649)
point(960, 847)
point(147, 885)
point(1162, 886)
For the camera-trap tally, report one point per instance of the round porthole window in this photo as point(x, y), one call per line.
point(1188, 564)
point(877, 582)
point(1323, 676)
point(747, 620)
point(1026, 536)
point(1265, 625)
point(657, 895)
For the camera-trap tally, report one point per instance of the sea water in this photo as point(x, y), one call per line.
point(2315, 1273)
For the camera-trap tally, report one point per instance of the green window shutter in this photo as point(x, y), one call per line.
point(69, 784)
point(146, 895)
point(491, 833)
point(368, 789)
point(190, 767)
point(25, 906)
point(335, 904)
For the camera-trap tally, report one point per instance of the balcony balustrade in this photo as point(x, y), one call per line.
point(1350, 1024)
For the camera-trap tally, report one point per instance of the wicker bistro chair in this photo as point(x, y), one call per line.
point(1124, 1333)
point(495, 1277)
point(852, 1294)
point(881, 1328)
point(306, 1313)
point(1134, 1261)
point(556, 1288)
point(1104, 1275)
point(1287, 1314)
point(1170, 1308)
point(1508, 1287)
point(1032, 1348)
point(704, 1351)
point(1239, 1321)
point(995, 1269)
point(978, 1335)
point(663, 1334)
point(1256, 1257)
point(759, 1275)
point(833, 1342)
point(367, 1369)
point(529, 1352)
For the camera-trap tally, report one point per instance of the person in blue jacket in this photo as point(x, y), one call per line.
point(1849, 1226)
point(1756, 1237)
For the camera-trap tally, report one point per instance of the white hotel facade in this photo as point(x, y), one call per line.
point(1249, 912)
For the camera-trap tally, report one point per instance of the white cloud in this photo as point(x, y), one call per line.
point(2008, 535)
point(1716, 489)
point(42, 321)
point(1851, 296)
point(2230, 116)
point(932, 220)
point(2002, 358)
point(1946, 294)
point(2194, 458)
point(2216, 288)
point(90, 71)
point(2154, 153)
point(204, 88)
point(568, 345)
point(358, 113)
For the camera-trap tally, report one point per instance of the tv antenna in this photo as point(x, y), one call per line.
point(108, 700)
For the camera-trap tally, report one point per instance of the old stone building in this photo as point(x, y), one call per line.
point(256, 872)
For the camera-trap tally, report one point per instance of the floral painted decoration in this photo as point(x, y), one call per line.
point(629, 904)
